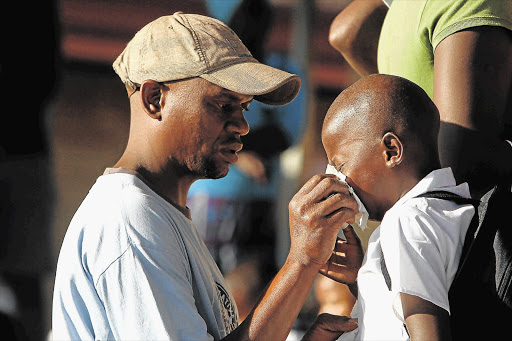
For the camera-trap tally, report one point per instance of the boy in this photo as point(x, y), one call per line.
point(381, 133)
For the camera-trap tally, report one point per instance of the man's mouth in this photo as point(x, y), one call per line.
point(230, 151)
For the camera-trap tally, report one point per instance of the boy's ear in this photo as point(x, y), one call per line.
point(151, 95)
point(393, 150)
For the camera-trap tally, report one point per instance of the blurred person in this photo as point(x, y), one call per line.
point(27, 191)
point(132, 265)
point(390, 160)
point(236, 215)
point(460, 53)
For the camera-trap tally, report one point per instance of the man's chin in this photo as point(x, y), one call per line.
point(215, 172)
point(216, 176)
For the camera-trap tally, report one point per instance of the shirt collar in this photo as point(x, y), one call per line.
point(184, 210)
point(437, 180)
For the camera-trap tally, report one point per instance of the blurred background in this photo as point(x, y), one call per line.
point(66, 118)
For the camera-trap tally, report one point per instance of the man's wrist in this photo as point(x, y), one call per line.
point(301, 260)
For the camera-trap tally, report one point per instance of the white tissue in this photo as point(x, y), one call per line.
point(362, 216)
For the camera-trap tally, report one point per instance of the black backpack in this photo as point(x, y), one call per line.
point(481, 296)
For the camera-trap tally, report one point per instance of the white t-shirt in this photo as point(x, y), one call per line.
point(132, 267)
point(421, 239)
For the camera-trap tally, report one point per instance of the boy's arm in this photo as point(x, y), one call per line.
point(425, 320)
point(355, 34)
point(421, 257)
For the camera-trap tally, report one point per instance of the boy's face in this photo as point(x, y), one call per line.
point(358, 155)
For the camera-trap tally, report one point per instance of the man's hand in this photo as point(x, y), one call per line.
point(317, 212)
point(329, 327)
point(346, 259)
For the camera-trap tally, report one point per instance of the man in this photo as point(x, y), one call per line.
point(132, 265)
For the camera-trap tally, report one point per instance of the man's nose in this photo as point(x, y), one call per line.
point(238, 124)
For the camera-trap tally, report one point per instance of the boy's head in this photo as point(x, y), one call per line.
point(381, 132)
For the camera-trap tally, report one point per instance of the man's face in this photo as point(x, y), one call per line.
point(204, 126)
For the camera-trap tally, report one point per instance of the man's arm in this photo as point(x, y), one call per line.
point(355, 34)
point(317, 212)
point(472, 86)
point(425, 320)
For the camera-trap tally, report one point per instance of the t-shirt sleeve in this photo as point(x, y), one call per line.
point(443, 18)
point(416, 262)
point(150, 297)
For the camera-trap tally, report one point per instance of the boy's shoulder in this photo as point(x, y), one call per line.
point(426, 219)
point(417, 208)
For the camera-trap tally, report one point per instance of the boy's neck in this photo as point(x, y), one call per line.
point(408, 181)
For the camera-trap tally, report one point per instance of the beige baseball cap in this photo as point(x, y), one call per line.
point(181, 46)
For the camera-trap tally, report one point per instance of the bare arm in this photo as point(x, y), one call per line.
point(317, 212)
point(425, 320)
point(472, 86)
point(355, 34)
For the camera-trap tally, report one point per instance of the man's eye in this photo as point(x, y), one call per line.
point(225, 108)
point(230, 108)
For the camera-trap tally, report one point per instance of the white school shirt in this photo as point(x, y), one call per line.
point(132, 267)
point(421, 239)
point(387, 2)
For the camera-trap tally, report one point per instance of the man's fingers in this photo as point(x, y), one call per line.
point(339, 200)
point(328, 187)
point(326, 194)
point(317, 212)
point(341, 216)
point(313, 183)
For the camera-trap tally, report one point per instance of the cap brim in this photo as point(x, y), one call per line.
point(267, 84)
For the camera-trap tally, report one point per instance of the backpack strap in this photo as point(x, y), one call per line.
point(473, 226)
point(385, 272)
point(451, 197)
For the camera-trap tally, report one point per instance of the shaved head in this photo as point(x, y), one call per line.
point(378, 104)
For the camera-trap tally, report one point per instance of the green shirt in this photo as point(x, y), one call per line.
point(414, 28)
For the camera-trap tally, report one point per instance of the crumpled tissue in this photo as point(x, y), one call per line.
point(362, 216)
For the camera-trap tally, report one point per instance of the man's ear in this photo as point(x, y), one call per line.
point(393, 150)
point(151, 94)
